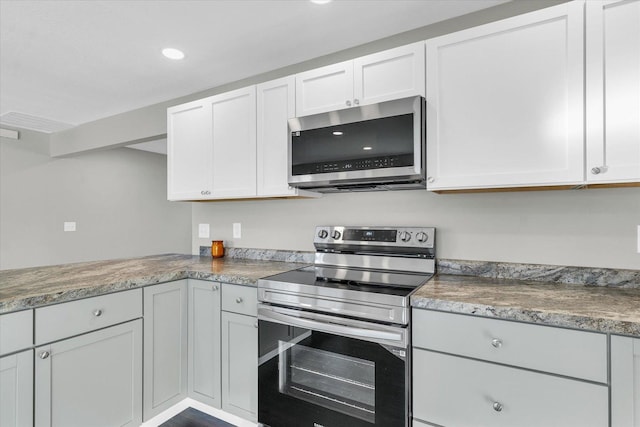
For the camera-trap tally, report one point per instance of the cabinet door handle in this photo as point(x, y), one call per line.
point(216, 287)
point(348, 103)
point(497, 343)
point(356, 101)
point(255, 325)
point(598, 170)
point(239, 300)
point(497, 406)
point(97, 312)
point(44, 355)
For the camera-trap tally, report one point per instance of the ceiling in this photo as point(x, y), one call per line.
point(64, 63)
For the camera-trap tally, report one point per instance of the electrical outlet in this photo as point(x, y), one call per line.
point(237, 230)
point(203, 231)
point(69, 226)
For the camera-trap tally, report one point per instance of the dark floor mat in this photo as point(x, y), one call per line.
point(193, 418)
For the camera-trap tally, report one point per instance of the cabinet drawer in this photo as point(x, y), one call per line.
point(76, 317)
point(560, 351)
point(16, 331)
point(240, 299)
point(453, 391)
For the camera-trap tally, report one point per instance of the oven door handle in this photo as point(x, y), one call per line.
point(371, 332)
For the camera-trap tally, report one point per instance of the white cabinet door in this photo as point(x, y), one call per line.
point(613, 91)
point(189, 151)
point(505, 103)
point(276, 104)
point(16, 389)
point(94, 379)
point(392, 74)
point(165, 346)
point(204, 342)
point(324, 89)
point(234, 143)
point(240, 365)
point(625, 381)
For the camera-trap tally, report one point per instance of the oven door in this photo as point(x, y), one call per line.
point(318, 370)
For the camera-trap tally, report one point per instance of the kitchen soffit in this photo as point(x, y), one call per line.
point(71, 62)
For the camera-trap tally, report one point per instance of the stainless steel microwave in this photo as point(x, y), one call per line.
point(367, 148)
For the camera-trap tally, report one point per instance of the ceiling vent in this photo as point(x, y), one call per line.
point(25, 121)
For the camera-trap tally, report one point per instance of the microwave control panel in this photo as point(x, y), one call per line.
point(354, 165)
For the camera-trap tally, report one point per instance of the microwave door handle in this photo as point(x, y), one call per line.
point(395, 339)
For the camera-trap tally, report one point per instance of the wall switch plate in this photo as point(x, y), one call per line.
point(203, 231)
point(237, 230)
point(69, 226)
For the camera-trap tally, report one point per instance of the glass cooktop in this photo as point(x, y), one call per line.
point(383, 282)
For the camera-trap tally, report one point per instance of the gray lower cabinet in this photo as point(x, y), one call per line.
point(625, 381)
point(470, 371)
point(223, 346)
point(93, 379)
point(240, 365)
point(165, 346)
point(204, 342)
point(16, 389)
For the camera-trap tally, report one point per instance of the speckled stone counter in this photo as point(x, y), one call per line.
point(33, 287)
point(596, 308)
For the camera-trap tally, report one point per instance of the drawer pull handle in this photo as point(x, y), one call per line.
point(239, 300)
point(496, 343)
point(215, 287)
point(44, 355)
point(97, 313)
point(497, 406)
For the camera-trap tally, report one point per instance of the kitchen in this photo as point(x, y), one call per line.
point(594, 228)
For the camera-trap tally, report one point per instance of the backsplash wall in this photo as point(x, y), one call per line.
point(588, 228)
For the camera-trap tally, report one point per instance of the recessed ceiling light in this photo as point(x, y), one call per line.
point(320, 1)
point(367, 148)
point(172, 53)
point(338, 133)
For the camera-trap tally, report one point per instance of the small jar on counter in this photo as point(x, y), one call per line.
point(217, 248)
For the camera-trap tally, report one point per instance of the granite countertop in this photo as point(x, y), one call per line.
point(611, 309)
point(595, 308)
point(34, 287)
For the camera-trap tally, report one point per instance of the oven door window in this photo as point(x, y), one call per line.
point(341, 383)
point(310, 378)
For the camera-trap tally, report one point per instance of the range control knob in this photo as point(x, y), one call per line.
point(323, 234)
point(336, 235)
point(405, 236)
point(422, 237)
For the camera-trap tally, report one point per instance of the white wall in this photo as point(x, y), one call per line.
point(593, 228)
point(117, 197)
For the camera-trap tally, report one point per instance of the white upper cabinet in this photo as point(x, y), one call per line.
point(211, 147)
point(324, 89)
point(383, 76)
point(276, 104)
point(613, 91)
point(234, 143)
point(392, 74)
point(505, 103)
point(189, 151)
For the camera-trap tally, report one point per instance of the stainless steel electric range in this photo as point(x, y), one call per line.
point(334, 336)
